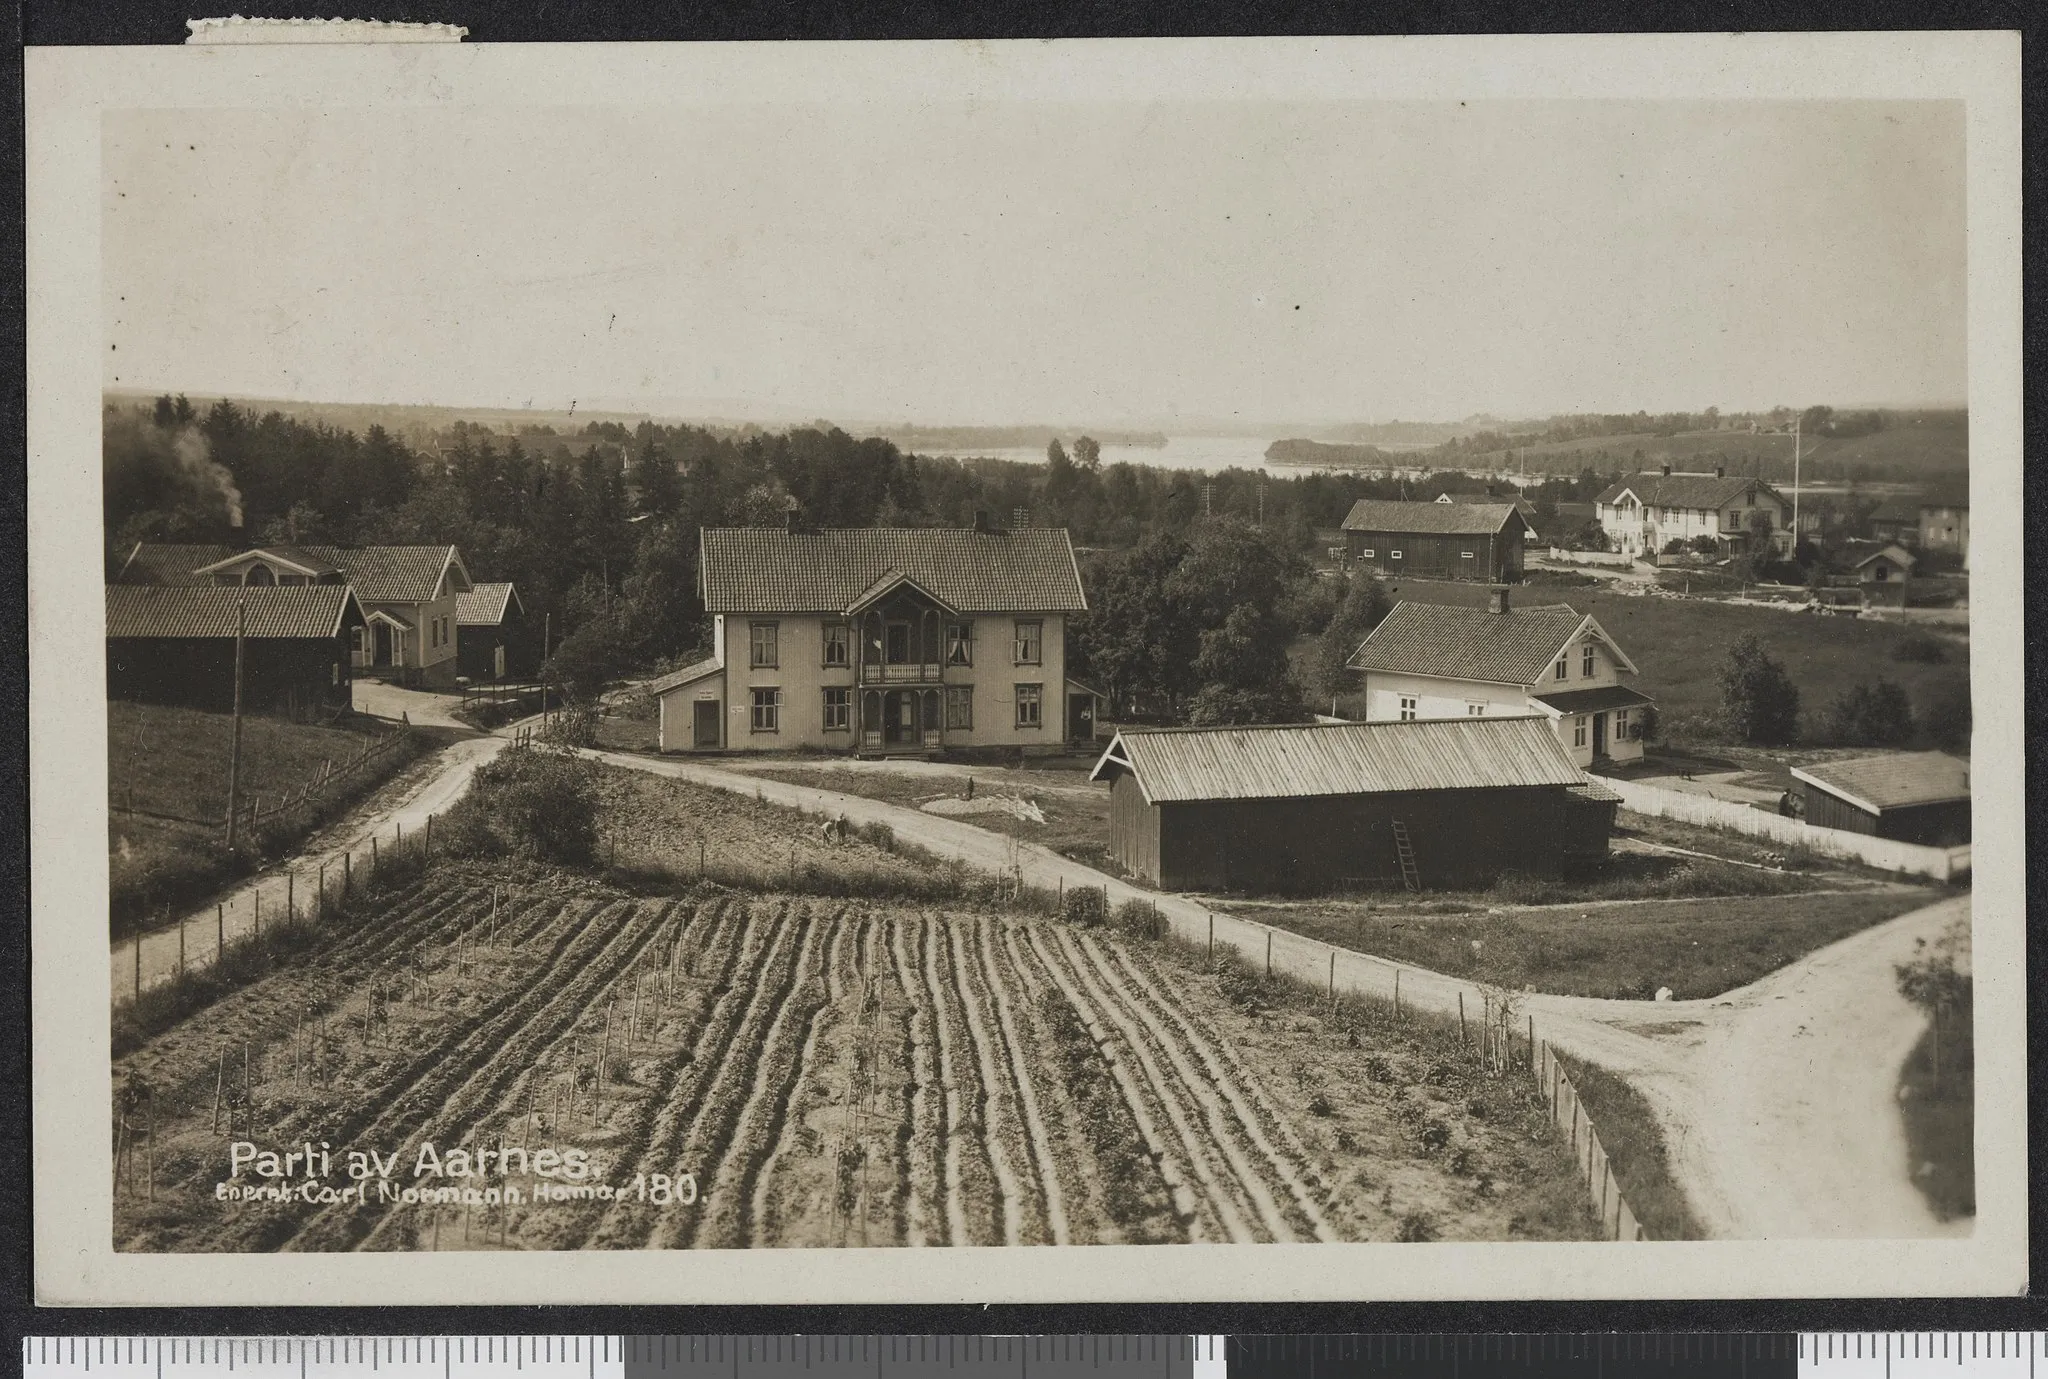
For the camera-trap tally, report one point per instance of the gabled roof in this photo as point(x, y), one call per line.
point(392, 574)
point(886, 583)
point(1658, 490)
point(1897, 555)
point(1293, 761)
point(1875, 784)
point(1511, 648)
point(773, 570)
point(275, 611)
point(1899, 507)
point(485, 605)
point(296, 557)
point(168, 563)
point(688, 675)
point(1431, 519)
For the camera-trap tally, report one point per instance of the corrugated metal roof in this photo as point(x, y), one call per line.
point(1431, 519)
point(1511, 648)
point(483, 605)
point(1295, 761)
point(688, 675)
point(166, 563)
point(772, 570)
point(1895, 781)
point(275, 611)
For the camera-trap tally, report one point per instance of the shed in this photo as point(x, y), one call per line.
point(492, 640)
point(1912, 797)
point(176, 645)
point(1438, 540)
point(1451, 802)
point(1885, 575)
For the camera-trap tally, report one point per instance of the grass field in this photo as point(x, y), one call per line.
point(1619, 949)
point(172, 764)
point(1919, 447)
point(742, 1066)
point(1635, 1146)
point(1680, 644)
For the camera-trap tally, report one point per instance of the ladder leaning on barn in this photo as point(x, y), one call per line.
point(1405, 850)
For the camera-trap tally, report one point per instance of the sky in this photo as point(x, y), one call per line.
point(1143, 263)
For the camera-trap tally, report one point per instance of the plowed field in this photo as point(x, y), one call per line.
point(731, 1068)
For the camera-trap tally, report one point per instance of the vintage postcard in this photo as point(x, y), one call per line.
point(1187, 670)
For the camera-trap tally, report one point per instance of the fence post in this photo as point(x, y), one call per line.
point(181, 945)
point(138, 967)
point(1461, 1018)
point(427, 847)
point(1269, 953)
point(291, 898)
point(348, 871)
point(1212, 938)
point(256, 896)
point(1397, 991)
point(1532, 1043)
point(220, 930)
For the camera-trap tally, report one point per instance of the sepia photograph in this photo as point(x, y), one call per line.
point(979, 653)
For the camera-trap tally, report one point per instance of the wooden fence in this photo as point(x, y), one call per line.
point(315, 792)
point(1617, 1219)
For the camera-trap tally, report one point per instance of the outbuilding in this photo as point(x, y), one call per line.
point(177, 646)
point(1297, 807)
point(492, 639)
point(1913, 797)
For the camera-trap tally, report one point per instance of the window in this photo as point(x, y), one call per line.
point(837, 643)
point(767, 709)
point(1621, 725)
point(1586, 661)
point(1734, 519)
point(1564, 669)
point(1578, 732)
point(1030, 706)
point(959, 644)
point(1464, 555)
point(1366, 554)
point(960, 707)
point(1474, 710)
point(1407, 708)
point(766, 652)
point(1394, 554)
point(1030, 643)
point(355, 638)
point(838, 708)
point(896, 643)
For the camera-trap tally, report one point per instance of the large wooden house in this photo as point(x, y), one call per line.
point(1644, 513)
point(1438, 540)
point(880, 641)
point(1428, 661)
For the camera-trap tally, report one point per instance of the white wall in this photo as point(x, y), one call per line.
point(1940, 863)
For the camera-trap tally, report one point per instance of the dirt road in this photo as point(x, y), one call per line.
point(1776, 1099)
point(401, 805)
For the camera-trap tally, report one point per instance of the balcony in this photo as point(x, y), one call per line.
point(909, 673)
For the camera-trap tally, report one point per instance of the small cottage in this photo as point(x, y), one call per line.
point(1310, 806)
point(492, 641)
point(1913, 797)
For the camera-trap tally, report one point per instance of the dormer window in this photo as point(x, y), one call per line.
point(1586, 661)
point(1564, 667)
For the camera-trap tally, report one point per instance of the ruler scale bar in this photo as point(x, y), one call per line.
point(1830, 1355)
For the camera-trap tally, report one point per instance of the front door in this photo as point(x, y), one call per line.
point(498, 662)
point(1081, 717)
point(383, 635)
point(900, 725)
point(705, 728)
point(1599, 735)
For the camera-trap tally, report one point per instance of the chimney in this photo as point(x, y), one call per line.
point(1497, 598)
point(981, 519)
point(1667, 471)
point(1720, 471)
point(792, 515)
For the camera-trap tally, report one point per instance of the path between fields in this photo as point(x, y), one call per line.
point(1777, 1099)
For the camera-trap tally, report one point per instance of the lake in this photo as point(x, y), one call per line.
point(1205, 454)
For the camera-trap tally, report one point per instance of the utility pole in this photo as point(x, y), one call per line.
point(547, 642)
point(1795, 488)
point(235, 733)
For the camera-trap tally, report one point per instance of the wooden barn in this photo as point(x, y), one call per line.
point(177, 646)
point(1913, 797)
point(1441, 540)
point(1447, 803)
point(492, 639)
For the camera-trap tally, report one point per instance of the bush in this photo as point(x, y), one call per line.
point(1706, 545)
point(1416, 1227)
point(1947, 719)
point(1675, 546)
point(876, 834)
point(575, 726)
point(1647, 722)
point(1871, 715)
point(1139, 919)
point(1085, 907)
point(1920, 648)
point(1759, 702)
point(529, 802)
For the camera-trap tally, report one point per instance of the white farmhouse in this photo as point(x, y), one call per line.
point(1428, 661)
point(1646, 512)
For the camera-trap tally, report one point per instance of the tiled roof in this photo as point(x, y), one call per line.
point(1900, 507)
point(1595, 700)
point(275, 611)
point(1892, 782)
point(1897, 555)
point(688, 675)
point(772, 570)
point(1433, 519)
point(483, 605)
point(1702, 491)
point(388, 574)
point(1511, 648)
point(1296, 761)
point(156, 562)
point(1593, 790)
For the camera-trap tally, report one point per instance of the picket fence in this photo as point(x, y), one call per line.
point(1617, 1218)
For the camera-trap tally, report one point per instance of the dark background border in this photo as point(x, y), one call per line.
point(70, 22)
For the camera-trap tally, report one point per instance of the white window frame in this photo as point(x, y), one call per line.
point(1620, 723)
point(825, 631)
point(961, 697)
point(1586, 661)
point(842, 710)
point(1393, 555)
point(773, 646)
point(1407, 707)
point(1366, 554)
point(1029, 647)
point(1579, 731)
point(1034, 695)
point(1464, 555)
point(765, 709)
point(1564, 667)
point(963, 644)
